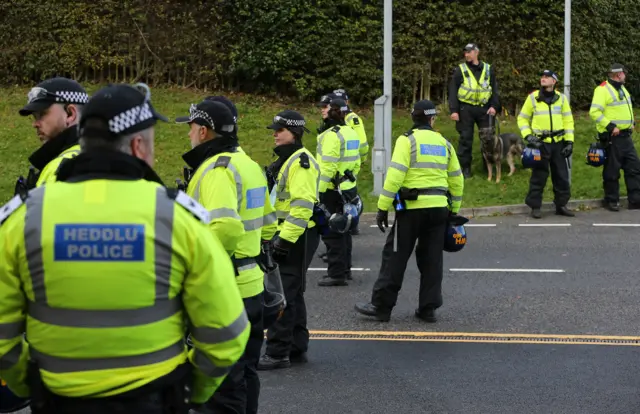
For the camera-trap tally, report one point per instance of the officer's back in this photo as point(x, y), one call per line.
point(109, 258)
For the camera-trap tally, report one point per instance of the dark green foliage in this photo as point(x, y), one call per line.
point(303, 48)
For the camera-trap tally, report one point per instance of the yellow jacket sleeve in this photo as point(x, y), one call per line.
point(525, 117)
point(355, 122)
point(328, 156)
point(303, 189)
point(598, 103)
point(455, 180)
point(270, 221)
point(219, 195)
point(48, 173)
point(13, 349)
point(567, 120)
point(218, 322)
point(400, 161)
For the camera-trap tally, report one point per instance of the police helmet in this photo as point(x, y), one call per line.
point(9, 402)
point(531, 157)
point(596, 155)
point(340, 223)
point(455, 235)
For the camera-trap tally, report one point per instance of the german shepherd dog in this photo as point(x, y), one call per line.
point(495, 147)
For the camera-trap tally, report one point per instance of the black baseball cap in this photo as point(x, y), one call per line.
point(55, 90)
point(227, 102)
point(212, 114)
point(550, 73)
point(125, 108)
point(424, 107)
point(616, 67)
point(470, 46)
point(341, 93)
point(290, 120)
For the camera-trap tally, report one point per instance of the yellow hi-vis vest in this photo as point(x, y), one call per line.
point(471, 91)
point(423, 159)
point(539, 118)
point(48, 173)
point(233, 188)
point(338, 151)
point(355, 122)
point(106, 290)
point(610, 106)
point(296, 192)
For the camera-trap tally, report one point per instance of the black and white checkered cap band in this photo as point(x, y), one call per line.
point(289, 122)
point(429, 111)
point(194, 113)
point(130, 117)
point(72, 97)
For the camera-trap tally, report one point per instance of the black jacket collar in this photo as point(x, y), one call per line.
point(208, 149)
point(427, 127)
point(617, 85)
point(548, 97)
point(112, 165)
point(54, 147)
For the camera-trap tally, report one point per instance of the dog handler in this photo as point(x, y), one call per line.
point(426, 175)
point(546, 123)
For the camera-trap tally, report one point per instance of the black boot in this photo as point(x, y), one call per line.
point(370, 310)
point(536, 213)
point(466, 172)
point(427, 315)
point(268, 362)
point(612, 205)
point(330, 281)
point(564, 211)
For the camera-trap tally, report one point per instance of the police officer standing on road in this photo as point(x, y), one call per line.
point(56, 105)
point(293, 179)
point(339, 159)
point(473, 99)
point(612, 112)
point(425, 175)
point(232, 187)
point(546, 123)
point(110, 285)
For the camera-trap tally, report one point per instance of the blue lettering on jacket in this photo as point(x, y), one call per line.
point(352, 145)
point(256, 197)
point(99, 242)
point(436, 150)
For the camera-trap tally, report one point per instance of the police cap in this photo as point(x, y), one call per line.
point(326, 99)
point(291, 120)
point(212, 114)
point(341, 93)
point(126, 109)
point(470, 46)
point(549, 73)
point(424, 107)
point(51, 91)
point(227, 102)
point(616, 67)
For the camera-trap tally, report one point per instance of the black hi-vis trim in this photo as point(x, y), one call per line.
point(222, 161)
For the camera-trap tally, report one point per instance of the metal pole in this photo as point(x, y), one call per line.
point(567, 64)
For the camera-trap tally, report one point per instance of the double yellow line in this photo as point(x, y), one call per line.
point(476, 337)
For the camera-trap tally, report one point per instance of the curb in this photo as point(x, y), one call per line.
point(517, 209)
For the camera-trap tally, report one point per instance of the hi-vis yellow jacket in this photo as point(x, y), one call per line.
point(355, 122)
point(537, 117)
point(337, 152)
point(610, 106)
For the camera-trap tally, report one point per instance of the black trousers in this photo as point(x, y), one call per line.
point(427, 226)
point(289, 335)
point(621, 154)
point(339, 245)
point(240, 390)
point(469, 115)
point(552, 159)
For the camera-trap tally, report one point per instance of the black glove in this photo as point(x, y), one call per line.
point(21, 187)
point(567, 150)
point(265, 258)
point(382, 217)
point(533, 141)
point(281, 248)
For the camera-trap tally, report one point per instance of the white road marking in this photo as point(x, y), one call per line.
point(544, 224)
point(616, 225)
point(509, 270)
point(479, 225)
point(356, 269)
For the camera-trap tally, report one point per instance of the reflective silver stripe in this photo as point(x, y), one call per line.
point(434, 165)
point(388, 193)
point(11, 330)
point(325, 178)
point(217, 335)
point(399, 166)
point(596, 106)
point(33, 242)
point(196, 191)
point(269, 218)
point(364, 144)
point(238, 181)
point(207, 367)
point(456, 198)
point(283, 195)
point(611, 92)
point(297, 221)
point(523, 115)
point(247, 267)
point(302, 203)
point(237, 178)
point(163, 243)
point(254, 224)
point(350, 158)
point(223, 212)
point(568, 131)
point(566, 113)
point(282, 214)
point(522, 128)
point(60, 365)
point(414, 157)
point(600, 118)
point(618, 103)
point(12, 357)
point(91, 318)
point(455, 173)
point(327, 158)
point(342, 145)
point(621, 121)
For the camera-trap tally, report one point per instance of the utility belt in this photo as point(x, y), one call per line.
point(606, 135)
point(549, 134)
point(174, 389)
point(245, 261)
point(412, 194)
point(347, 176)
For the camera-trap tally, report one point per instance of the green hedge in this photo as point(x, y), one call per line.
point(302, 48)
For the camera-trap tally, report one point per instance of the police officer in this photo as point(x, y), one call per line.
point(232, 187)
point(473, 99)
point(425, 175)
point(339, 159)
point(111, 285)
point(56, 105)
point(293, 181)
point(612, 112)
point(546, 123)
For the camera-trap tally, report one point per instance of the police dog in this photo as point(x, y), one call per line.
point(495, 147)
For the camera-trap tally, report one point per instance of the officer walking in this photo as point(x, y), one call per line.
point(56, 105)
point(232, 187)
point(473, 99)
point(425, 175)
point(293, 180)
point(546, 123)
point(612, 112)
point(339, 159)
point(111, 285)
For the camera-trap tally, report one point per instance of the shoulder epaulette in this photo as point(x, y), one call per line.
point(304, 161)
point(603, 83)
point(336, 128)
point(9, 208)
point(189, 204)
point(356, 120)
point(222, 161)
